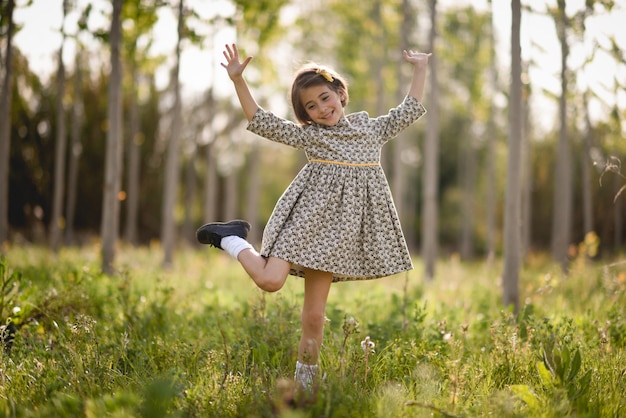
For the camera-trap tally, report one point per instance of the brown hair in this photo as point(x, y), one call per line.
point(311, 75)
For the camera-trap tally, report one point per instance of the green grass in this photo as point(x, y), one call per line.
point(200, 341)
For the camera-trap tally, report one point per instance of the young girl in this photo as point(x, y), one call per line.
point(336, 221)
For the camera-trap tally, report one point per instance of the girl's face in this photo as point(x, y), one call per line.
point(322, 104)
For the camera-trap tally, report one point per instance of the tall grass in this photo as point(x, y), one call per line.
point(201, 341)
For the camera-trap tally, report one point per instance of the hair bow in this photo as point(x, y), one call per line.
point(325, 74)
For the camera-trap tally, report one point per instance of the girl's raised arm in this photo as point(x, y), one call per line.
point(235, 72)
point(420, 63)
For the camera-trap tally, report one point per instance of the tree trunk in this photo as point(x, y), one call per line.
point(172, 174)
point(210, 186)
point(562, 208)
point(431, 160)
point(231, 193)
point(586, 172)
point(527, 176)
point(468, 183)
point(5, 127)
point(57, 223)
point(378, 60)
point(114, 147)
point(618, 217)
point(490, 203)
point(134, 163)
point(512, 205)
point(188, 230)
point(399, 183)
point(75, 150)
point(209, 207)
point(252, 195)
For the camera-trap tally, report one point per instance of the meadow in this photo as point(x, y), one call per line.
point(200, 340)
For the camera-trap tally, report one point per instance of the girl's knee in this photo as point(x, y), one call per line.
point(270, 283)
point(313, 320)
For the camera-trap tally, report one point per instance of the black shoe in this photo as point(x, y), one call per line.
point(212, 233)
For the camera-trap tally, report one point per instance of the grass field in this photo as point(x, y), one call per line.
point(201, 341)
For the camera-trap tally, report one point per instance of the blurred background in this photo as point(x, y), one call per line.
point(184, 157)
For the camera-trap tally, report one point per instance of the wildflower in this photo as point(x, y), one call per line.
point(350, 326)
point(368, 348)
point(368, 345)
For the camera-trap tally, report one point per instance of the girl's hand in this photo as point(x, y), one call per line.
point(232, 65)
point(418, 59)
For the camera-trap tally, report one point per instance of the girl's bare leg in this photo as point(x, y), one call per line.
point(316, 288)
point(269, 274)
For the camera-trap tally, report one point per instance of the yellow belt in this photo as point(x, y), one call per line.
point(344, 163)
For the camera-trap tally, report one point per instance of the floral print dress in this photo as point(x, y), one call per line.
point(338, 214)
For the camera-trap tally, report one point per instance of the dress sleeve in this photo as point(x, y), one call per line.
point(399, 118)
point(277, 129)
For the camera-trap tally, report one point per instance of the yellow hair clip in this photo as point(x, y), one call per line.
point(325, 74)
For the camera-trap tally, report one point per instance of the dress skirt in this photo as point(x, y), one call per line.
point(341, 219)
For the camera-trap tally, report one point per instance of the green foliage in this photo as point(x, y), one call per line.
point(200, 340)
point(261, 18)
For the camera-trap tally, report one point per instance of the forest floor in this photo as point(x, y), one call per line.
point(199, 340)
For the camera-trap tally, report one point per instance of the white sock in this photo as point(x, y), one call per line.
point(233, 245)
point(305, 375)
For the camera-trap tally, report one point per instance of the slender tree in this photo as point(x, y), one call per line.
point(144, 16)
point(562, 206)
point(114, 146)
point(617, 116)
point(618, 215)
point(133, 159)
point(587, 161)
point(527, 172)
point(490, 203)
point(469, 63)
point(232, 194)
point(172, 167)
point(468, 162)
point(431, 159)
point(210, 206)
point(77, 122)
point(399, 179)
point(57, 222)
point(586, 170)
point(512, 209)
point(189, 195)
point(377, 56)
point(5, 120)
point(75, 148)
point(254, 189)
